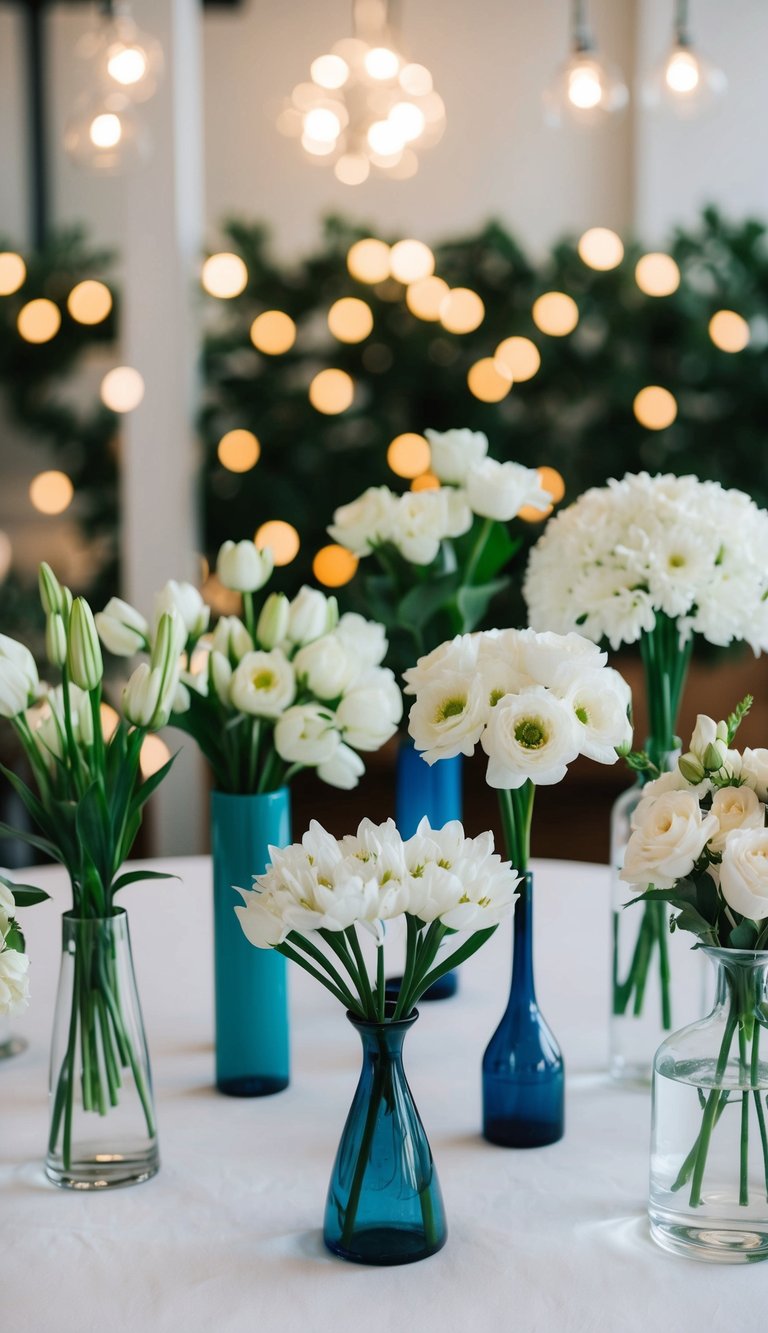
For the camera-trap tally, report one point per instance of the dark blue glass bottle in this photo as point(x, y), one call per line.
point(384, 1203)
point(523, 1071)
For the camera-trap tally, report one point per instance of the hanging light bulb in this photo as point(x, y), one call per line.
point(367, 106)
point(685, 82)
point(119, 55)
point(121, 67)
point(105, 134)
point(585, 89)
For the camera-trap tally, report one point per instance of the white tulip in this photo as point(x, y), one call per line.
point(344, 769)
point(263, 928)
point(500, 490)
point(327, 666)
point(458, 515)
point(55, 640)
point(668, 838)
point(54, 598)
point(243, 567)
point(419, 524)
point(263, 685)
point(735, 808)
point(14, 981)
point(744, 872)
point(18, 677)
point(188, 603)
point(122, 629)
point(370, 711)
point(532, 735)
point(272, 625)
point(231, 639)
point(84, 659)
point(305, 734)
point(367, 639)
point(754, 771)
point(366, 522)
point(454, 452)
point(141, 696)
point(599, 701)
point(311, 614)
point(221, 672)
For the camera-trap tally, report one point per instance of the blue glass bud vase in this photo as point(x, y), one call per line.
point(433, 791)
point(252, 1045)
point(384, 1203)
point(523, 1071)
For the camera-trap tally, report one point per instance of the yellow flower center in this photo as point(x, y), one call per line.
point(531, 733)
point(450, 708)
point(263, 680)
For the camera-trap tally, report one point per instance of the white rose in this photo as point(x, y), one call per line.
point(532, 735)
point(185, 599)
point(327, 665)
point(367, 639)
point(365, 522)
point(7, 910)
point(599, 701)
point(14, 981)
point(311, 614)
point(449, 714)
point(453, 452)
point(370, 711)
point(243, 567)
point(735, 808)
point(744, 873)
point(343, 770)
point(263, 685)
point(231, 638)
point(305, 734)
point(754, 771)
point(669, 836)
point(122, 629)
point(499, 490)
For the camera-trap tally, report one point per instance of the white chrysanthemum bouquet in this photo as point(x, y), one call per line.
point(440, 552)
point(289, 686)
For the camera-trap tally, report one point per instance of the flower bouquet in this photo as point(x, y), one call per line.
point(86, 804)
point(290, 686)
point(14, 963)
point(699, 846)
point(535, 702)
point(384, 1204)
point(655, 560)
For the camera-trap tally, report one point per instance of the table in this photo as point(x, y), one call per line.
point(227, 1236)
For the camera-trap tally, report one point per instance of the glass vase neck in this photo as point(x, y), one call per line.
point(742, 980)
point(523, 989)
point(384, 1038)
point(76, 928)
point(663, 753)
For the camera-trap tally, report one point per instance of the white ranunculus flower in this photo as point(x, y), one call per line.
point(735, 808)
point(344, 769)
point(370, 711)
point(306, 734)
point(599, 701)
point(668, 838)
point(744, 872)
point(122, 629)
point(500, 490)
point(231, 639)
point(243, 567)
point(555, 660)
point(311, 614)
point(367, 639)
point(449, 714)
point(263, 685)
point(532, 735)
point(185, 599)
point(365, 522)
point(453, 452)
point(327, 665)
point(14, 981)
point(419, 524)
point(457, 654)
point(754, 771)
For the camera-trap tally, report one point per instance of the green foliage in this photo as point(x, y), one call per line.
point(736, 718)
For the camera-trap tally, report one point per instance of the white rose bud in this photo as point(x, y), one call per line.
point(55, 639)
point(306, 735)
point(243, 567)
point(84, 660)
point(272, 625)
point(122, 629)
point(743, 878)
point(754, 771)
point(670, 834)
point(263, 685)
point(343, 770)
point(453, 452)
point(185, 599)
point(231, 639)
point(311, 614)
point(327, 665)
point(709, 745)
point(499, 490)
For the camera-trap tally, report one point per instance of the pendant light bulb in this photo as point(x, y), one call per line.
point(585, 89)
point(685, 82)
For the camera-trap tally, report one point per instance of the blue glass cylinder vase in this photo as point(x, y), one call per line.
point(434, 791)
point(384, 1203)
point(251, 993)
point(523, 1070)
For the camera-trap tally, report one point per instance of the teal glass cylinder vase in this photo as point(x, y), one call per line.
point(434, 791)
point(251, 991)
point(523, 1070)
point(384, 1203)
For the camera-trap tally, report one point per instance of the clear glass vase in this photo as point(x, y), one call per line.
point(709, 1142)
point(658, 982)
point(102, 1113)
point(10, 1043)
point(384, 1203)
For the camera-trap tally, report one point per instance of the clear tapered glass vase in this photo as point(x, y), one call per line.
point(709, 1143)
point(102, 1129)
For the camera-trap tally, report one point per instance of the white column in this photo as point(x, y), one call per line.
point(161, 245)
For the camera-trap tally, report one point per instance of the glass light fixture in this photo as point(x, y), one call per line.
point(105, 135)
point(685, 82)
point(120, 55)
point(585, 89)
point(367, 108)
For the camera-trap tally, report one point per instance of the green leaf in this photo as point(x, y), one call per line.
point(496, 554)
point(32, 804)
point(736, 718)
point(691, 920)
point(42, 844)
point(421, 603)
point(135, 876)
point(474, 602)
point(744, 936)
point(143, 793)
point(94, 829)
point(25, 895)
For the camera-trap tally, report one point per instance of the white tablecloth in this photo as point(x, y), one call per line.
point(227, 1237)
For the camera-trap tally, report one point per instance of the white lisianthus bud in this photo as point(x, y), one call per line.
point(311, 614)
point(232, 639)
point(669, 835)
point(743, 881)
point(14, 981)
point(735, 808)
point(709, 744)
point(370, 711)
point(272, 625)
point(19, 681)
point(55, 639)
point(365, 522)
point(84, 660)
point(220, 671)
point(455, 451)
point(53, 596)
point(344, 769)
point(691, 769)
point(122, 629)
point(306, 734)
point(141, 695)
point(530, 736)
point(185, 599)
point(327, 666)
point(367, 639)
point(499, 490)
point(263, 685)
point(243, 567)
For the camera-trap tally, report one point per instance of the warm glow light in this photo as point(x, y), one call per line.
point(281, 538)
point(519, 356)
point(332, 391)
point(350, 320)
point(122, 389)
point(381, 63)
point(555, 314)
point(89, 302)
point(416, 80)
point(105, 130)
point(682, 72)
point(411, 261)
point(657, 275)
point(729, 331)
point(6, 554)
point(154, 753)
point(273, 332)
point(552, 482)
point(333, 566)
point(424, 298)
point(461, 311)
point(384, 139)
point(51, 492)
point(352, 169)
point(329, 71)
point(368, 260)
point(318, 147)
point(584, 87)
point(38, 321)
point(127, 65)
point(224, 275)
point(238, 450)
point(489, 381)
point(110, 721)
point(13, 271)
point(426, 482)
point(409, 455)
point(655, 407)
point(530, 514)
point(601, 248)
point(322, 125)
point(408, 119)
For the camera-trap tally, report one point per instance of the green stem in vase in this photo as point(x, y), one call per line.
point(710, 1111)
point(744, 1134)
point(353, 1203)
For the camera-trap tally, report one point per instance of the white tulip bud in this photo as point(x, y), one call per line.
point(122, 629)
point(84, 660)
point(311, 614)
point(141, 695)
point(243, 567)
point(185, 599)
point(273, 621)
point(232, 639)
point(52, 595)
point(220, 669)
point(55, 639)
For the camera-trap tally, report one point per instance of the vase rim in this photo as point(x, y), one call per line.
point(250, 795)
point(389, 1023)
point(758, 957)
point(114, 915)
